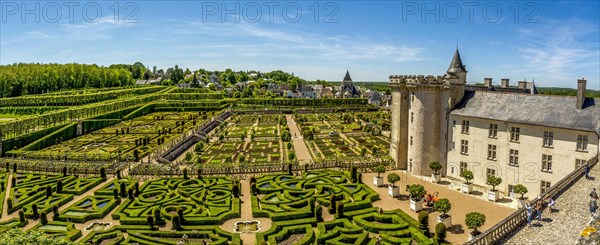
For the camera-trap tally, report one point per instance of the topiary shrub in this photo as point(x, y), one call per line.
point(64, 170)
point(311, 204)
point(235, 190)
point(467, 175)
point(49, 191)
point(55, 211)
point(21, 215)
point(9, 203)
point(416, 192)
point(150, 221)
point(116, 193)
point(319, 213)
point(253, 189)
point(34, 210)
point(424, 222)
point(118, 174)
point(474, 220)
point(493, 181)
point(199, 172)
point(176, 224)
point(43, 218)
point(521, 189)
point(157, 217)
point(59, 186)
point(359, 178)
point(332, 204)
point(340, 210)
point(353, 174)
point(185, 173)
point(180, 215)
point(103, 173)
point(379, 170)
point(130, 194)
point(123, 190)
point(435, 167)
point(136, 188)
point(440, 233)
point(14, 168)
point(443, 205)
point(393, 178)
point(14, 181)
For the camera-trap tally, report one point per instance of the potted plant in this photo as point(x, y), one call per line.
point(378, 180)
point(393, 190)
point(493, 194)
point(467, 187)
point(416, 197)
point(522, 190)
point(443, 205)
point(473, 221)
point(435, 167)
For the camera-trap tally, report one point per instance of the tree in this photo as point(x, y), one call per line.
point(156, 213)
point(467, 175)
point(379, 170)
point(443, 205)
point(435, 167)
point(185, 173)
point(123, 189)
point(521, 189)
point(363, 151)
point(55, 211)
point(291, 155)
point(424, 222)
point(393, 178)
point(235, 190)
point(493, 181)
point(199, 147)
point(416, 191)
point(180, 215)
point(474, 220)
point(176, 224)
point(136, 154)
point(374, 150)
point(340, 210)
point(21, 216)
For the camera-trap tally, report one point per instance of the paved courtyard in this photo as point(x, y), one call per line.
point(461, 204)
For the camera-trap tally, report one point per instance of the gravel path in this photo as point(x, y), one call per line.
point(564, 225)
point(302, 153)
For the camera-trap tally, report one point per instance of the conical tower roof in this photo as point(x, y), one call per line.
point(456, 65)
point(347, 77)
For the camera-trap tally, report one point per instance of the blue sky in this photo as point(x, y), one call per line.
point(552, 42)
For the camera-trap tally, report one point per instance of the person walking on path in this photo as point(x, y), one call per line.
point(538, 209)
point(593, 206)
point(550, 203)
point(593, 194)
point(587, 170)
point(529, 211)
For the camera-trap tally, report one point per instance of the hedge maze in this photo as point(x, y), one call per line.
point(206, 201)
point(295, 205)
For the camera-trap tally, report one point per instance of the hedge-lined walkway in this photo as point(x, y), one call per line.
point(302, 152)
point(461, 204)
point(6, 197)
point(246, 215)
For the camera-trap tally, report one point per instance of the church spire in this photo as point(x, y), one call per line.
point(456, 66)
point(347, 77)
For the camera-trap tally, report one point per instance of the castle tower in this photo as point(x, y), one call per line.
point(420, 105)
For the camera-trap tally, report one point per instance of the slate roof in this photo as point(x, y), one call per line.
point(456, 65)
point(543, 110)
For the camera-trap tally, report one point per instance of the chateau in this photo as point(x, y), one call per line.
point(510, 132)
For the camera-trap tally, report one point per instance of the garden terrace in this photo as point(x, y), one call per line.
point(333, 147)
point(60, 229)
point(206, 201)
point(125, 140)
point(286, 201)
point(99, 204)
point(137, 234)
point(31, 188)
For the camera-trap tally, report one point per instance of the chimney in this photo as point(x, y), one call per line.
point(522, 84)
point(487, 82)
point(504, 82)
point(581, 83)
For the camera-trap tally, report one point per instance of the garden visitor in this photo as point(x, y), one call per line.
point(529, 211)
point(550, 203)
point(185, 238)
point(593, 206)
point(593, 194)
point(587, 170)
point(538, 209)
